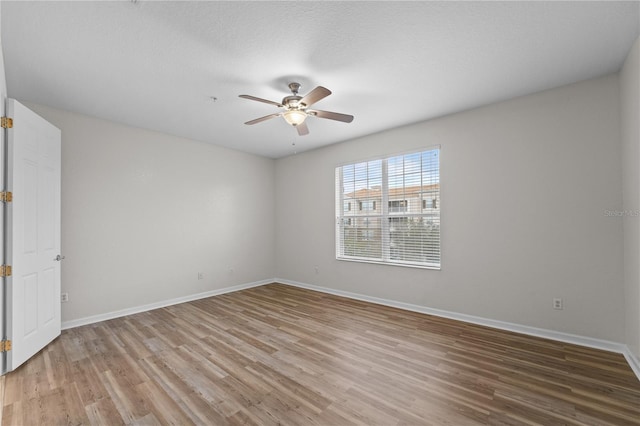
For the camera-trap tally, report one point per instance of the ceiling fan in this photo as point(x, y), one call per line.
point(296, 108)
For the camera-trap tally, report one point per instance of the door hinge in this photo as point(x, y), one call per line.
point(5, 271)
point(6, 196)
point(6, 123)
point(5, 345)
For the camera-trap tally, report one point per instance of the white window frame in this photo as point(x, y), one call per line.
point(385, 215)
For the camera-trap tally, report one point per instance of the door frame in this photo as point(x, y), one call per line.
point(6, 281)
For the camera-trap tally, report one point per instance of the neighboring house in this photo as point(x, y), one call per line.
point(412, 225)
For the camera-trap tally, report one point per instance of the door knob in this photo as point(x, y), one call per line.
point(58, 258)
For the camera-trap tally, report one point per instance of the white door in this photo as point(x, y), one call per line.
point(33, 233)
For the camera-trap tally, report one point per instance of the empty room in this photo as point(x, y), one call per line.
point(320, 213)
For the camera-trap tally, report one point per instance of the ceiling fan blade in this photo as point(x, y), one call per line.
point(266, 101)
point(302, 129)
point(332, 115)
point(261, 119)
point(315, 95)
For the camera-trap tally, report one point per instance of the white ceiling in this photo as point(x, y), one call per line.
point(155, 65)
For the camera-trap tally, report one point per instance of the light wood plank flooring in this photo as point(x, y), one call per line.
point(281, 355)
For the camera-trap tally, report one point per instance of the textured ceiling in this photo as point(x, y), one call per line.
point(156, 65)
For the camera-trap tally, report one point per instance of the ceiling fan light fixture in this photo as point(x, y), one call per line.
point(294, 116)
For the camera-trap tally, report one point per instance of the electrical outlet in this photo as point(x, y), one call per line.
point(557, 304)
point(200, 275)
point(64, 297)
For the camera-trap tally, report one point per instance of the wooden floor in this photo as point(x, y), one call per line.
point(282, 355)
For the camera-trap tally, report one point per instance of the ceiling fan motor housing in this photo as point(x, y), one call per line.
point(292, 101)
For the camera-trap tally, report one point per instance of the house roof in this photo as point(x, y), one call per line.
point(394, 193)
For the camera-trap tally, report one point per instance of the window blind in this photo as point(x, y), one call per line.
point(396, 218)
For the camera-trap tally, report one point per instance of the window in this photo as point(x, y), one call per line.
point(397, 220)
point(367, 205)
point(429, 203)
point(398, 206)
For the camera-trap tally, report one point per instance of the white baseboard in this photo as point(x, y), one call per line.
point(633, 361)
point(502, 325)
point(143, 308)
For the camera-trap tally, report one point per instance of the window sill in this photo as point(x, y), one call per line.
point(404, 265)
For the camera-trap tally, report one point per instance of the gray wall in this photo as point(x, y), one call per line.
point(525, 184)
point(630, 126)
point(144, 212)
